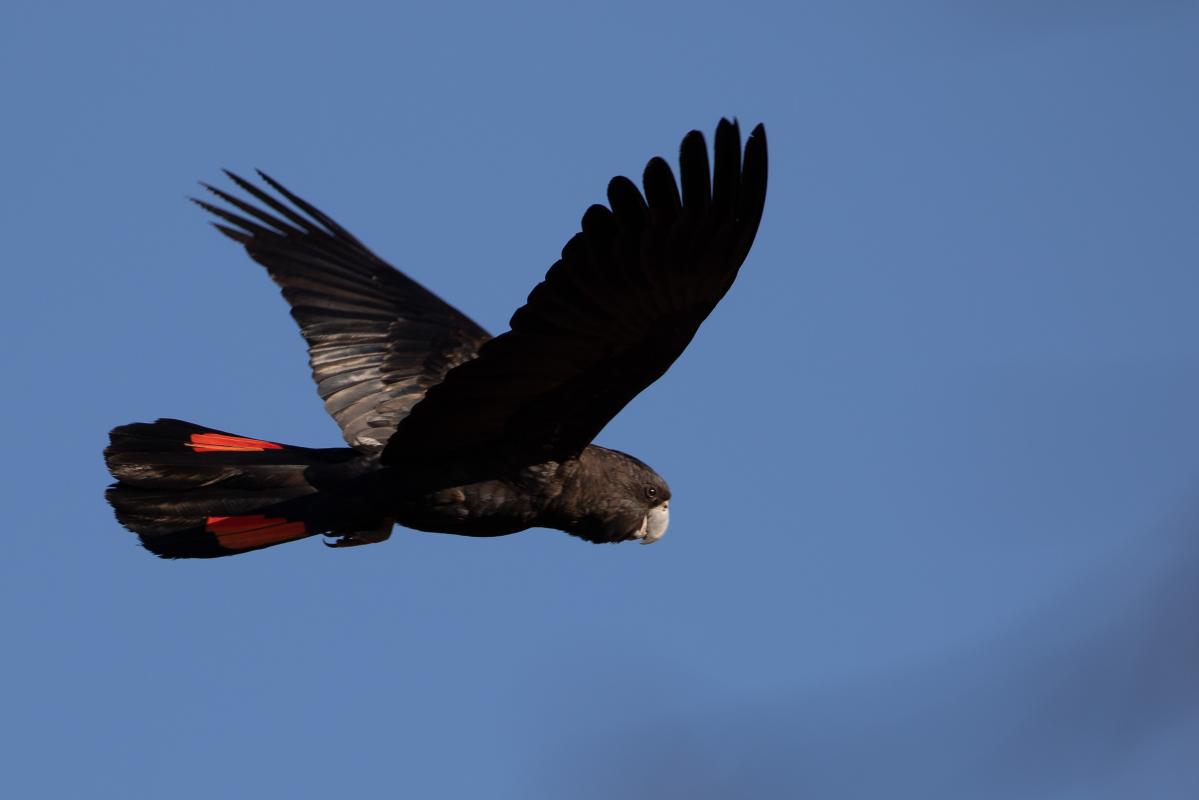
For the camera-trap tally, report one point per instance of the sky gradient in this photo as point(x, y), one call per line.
point(935, 458)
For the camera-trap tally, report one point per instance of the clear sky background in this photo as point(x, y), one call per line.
point(935, 458)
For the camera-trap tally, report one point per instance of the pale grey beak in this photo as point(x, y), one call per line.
point(655, 524)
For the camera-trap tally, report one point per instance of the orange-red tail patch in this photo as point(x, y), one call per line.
point(253, 530)
point(220, 443)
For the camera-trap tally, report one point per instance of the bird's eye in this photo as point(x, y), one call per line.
point(651, 492)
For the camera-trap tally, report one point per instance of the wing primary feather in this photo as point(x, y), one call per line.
point(752, 197)
point(631, 215)
point(253, 190)
point(726, 173)
point(599, 227)
point(695, 172)
point(661, 192)
point(238, 236)
point(234, 219)
point(626, 201)
point(308, 208)
point(282, 227)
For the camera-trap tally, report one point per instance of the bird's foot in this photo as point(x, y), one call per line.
point(362, 537)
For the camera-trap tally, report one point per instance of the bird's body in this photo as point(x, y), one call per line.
point(451, 430)
point(570, 495)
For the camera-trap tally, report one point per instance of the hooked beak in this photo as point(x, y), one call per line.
point(653, 527)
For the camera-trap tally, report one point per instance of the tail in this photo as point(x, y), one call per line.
point(194, 492)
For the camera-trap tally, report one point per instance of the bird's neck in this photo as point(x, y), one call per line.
point(583, 507)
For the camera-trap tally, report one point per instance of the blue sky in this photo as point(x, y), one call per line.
point(935, 458)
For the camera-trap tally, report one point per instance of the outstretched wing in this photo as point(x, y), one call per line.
point(377, 340)
point(611, 316)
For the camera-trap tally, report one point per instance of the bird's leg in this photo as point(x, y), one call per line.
point(356, 538)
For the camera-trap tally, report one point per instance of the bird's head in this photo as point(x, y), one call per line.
point(616, 497)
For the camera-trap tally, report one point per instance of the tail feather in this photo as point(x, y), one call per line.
point(194, 492)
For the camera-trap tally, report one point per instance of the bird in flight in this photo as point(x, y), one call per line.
point(449, 429)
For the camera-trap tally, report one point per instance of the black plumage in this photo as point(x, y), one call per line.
point(451, 430)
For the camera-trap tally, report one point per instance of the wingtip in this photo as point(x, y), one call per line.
point(656, 164)
point(274, 184)
point(210, 208)
point(204, 204)
point(727, 123)
point(755, 146)
point(693, 137)
point(618, 183)
point(235, 235)
point(657, 173)
point(237, 179)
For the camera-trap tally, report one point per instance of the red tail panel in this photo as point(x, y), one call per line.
point(222, 443)
point(253, 530)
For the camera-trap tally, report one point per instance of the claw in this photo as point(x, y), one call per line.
point(361, 537)
point(346, 541)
